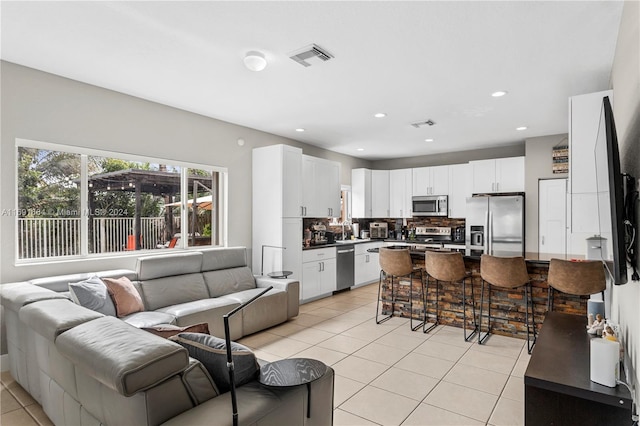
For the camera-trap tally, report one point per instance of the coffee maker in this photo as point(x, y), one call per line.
point(318, 234)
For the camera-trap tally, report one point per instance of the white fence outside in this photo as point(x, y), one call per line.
point(54, 237)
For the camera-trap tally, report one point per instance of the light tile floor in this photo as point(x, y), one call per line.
point(385, 374)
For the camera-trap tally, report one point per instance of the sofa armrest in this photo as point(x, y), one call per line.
point(291, 287)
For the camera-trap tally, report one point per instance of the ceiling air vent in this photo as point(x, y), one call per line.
point(309, 52)
point(423, 123)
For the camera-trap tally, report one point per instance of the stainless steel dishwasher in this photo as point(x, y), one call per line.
point(345, 266)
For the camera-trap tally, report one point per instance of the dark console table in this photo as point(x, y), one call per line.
point(558, 390)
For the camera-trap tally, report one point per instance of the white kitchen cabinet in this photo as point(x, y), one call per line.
point(380, 193)
point(584, 121)
point(430, 180)
point(320, 187)
point(367, 265)
point(400, 193)
point(497, 175)
point(459, 189)
point(360, 193)
point(582, 205)
point(318, 273)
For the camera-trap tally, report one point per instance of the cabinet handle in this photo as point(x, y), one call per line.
point(401, 212)
point(319, 266)
point(322, 266)
point(367, 258)
point(301, 211)
point(543, 240)
point(493, 186)
point(497, 186)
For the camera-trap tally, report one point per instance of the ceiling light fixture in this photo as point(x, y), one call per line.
point(429, 140)
point(360, 149)
point(380, 115)
point(300, 129)
point(521, 128)
point(498, 94)
point(255, 61)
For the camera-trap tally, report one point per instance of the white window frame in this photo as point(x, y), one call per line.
point(223, 185)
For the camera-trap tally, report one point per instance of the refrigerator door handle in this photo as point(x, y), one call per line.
point(487, 232)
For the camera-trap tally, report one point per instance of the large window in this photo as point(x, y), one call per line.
point(74, 202)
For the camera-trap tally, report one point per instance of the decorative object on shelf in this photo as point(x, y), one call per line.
point(597, 326)
point(560, 156)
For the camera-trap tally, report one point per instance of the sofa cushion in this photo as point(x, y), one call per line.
point(50, 318)
point(120, 356)
point(148, 319)
point(211, 351)
point(125, 296)
point(227, 281)
point(92, 293)
point(223, 258)
point(168, 291)
point(17, 295)
point(168, 330)
point(158, 266)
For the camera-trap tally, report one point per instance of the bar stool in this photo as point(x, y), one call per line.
point(578, 278)
point(506, 273)
point(449, 267)
point(396, 263)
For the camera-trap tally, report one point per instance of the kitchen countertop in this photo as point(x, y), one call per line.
point(345, 243)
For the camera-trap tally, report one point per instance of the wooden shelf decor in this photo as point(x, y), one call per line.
point(560, 157)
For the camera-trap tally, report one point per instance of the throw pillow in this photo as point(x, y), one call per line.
point(168, 330)
point(211, 351)
point(92, 294)
point(125, 296)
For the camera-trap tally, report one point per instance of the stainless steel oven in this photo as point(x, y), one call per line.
point(430, 205)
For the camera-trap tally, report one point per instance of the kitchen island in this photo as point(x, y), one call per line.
point(507, 306)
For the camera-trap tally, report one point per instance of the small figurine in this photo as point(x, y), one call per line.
point(597, 326)
point(609, 334)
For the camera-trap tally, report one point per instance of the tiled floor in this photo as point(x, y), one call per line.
point(385, 374)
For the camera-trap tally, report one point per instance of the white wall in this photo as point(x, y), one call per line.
point(538, 165)
point(40, 106)
point(625, 82)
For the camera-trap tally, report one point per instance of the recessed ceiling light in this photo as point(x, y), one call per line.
point(498, 93)
point(360, 149)
point(521, 128)
point(429, 140)
point(300, 129)
point(380, 115)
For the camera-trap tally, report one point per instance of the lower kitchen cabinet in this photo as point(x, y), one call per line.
point(319, 270)
point(367, 265)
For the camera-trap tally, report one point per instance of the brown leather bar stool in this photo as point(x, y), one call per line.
point(449, 267)
point(578, 278)
point(507, 273)
point(396, 263)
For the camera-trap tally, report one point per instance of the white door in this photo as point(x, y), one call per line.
point(552, 216)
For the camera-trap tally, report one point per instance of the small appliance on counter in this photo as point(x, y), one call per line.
point(378, 230)
point(458, 234)
point(318, 234)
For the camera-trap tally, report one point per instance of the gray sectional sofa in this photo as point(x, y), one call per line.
point(86, 368)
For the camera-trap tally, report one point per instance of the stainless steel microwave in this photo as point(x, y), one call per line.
point(430, 205)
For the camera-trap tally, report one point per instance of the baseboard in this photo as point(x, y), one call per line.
point(4, 363)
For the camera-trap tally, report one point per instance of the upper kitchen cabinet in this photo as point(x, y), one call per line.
point(380, 193)
point(277, 172)
point(497, 175)
point(360, 193)
point(430, 180)
point(320, 187)
point(584, 120)
point(459, 189)
point(400, 193)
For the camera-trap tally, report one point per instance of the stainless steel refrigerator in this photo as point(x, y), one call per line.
point(495, 225)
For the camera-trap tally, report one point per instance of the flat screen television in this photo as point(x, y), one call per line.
point(610, 195)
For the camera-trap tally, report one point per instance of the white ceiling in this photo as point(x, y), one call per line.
point(411, 60)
